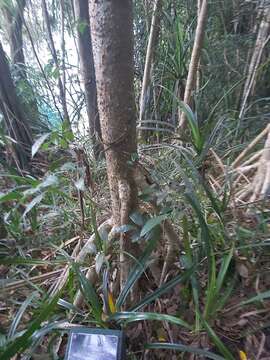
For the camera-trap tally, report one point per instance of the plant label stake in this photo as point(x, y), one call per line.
point(95, 344)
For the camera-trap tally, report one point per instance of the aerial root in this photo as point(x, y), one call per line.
point(259, 188)
point(79, 256)
point(91, 274)
point(250, 177)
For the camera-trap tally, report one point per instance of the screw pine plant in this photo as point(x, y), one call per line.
point(136, 225)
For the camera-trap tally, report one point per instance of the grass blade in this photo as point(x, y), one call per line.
point(151, 223)
point(216, 340)
point(164, 288)
point(140, 266)
point(184, 348)
point(18, 316)
point(130, 317)
point(23, 261)
point(224, 269)
point(260, 297)
point(21, 343)
point(89, 293)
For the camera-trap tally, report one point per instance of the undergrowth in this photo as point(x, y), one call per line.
point(212, 301)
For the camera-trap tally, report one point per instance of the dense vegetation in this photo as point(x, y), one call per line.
point(135, 176)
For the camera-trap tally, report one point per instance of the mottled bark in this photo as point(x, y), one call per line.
point(112, 36)
point(15, 120)
point(88, 72)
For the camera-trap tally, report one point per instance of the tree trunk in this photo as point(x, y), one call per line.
point(261, 41)
point(112, 36)
point(62, 89)
point(195, 58)
point(15, 120)
point(14, 29)
point(88, 72)
point(153, 37)
point(14, 18)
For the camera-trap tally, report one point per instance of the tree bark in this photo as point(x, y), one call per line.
point(15, 21)
point(88, 72)
point(15, 120)
point(14, 29)
point(195, 58)
point(56, 62)
point(261, 41)
point(154, 31)
point(112, 36)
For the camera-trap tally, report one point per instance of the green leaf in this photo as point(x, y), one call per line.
point(139, 268)
point(130, 317)
point(260, 297)
point(164, 288)
point(23, 180)
point(193, 124)
point(33, 203)
point(12, 195)
point(48, 181)
point(37, 144)
point(70, 307)
point(226, 260)
point(23, 261)
point(89, 292)
point(216, 340)
point(100, 260)
point(191, 121)
point(98, 240)
point(137, 218)
point(151, 223)
point(3, 340)
point(125, 228)
point(21, 343)
point(184, 348)
point(82, 26)
point(19, 314)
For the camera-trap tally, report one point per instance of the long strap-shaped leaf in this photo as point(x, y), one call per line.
point(89, 293)
point(216, 340)
point(139, 268)
point(130, 317)
point(184, 348)
point(18, 316)
point(164, 288)
point(22, 343)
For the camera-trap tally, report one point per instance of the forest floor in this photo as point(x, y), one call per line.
point(33, 248)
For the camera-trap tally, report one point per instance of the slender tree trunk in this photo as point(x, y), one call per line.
point(261, 41)
point(56, 62)
point(14, 118)
point(112, 36)
point(63, 64)
point(149, 60)
point(88, 72)
point(195, 58)
point(198, 76)
point(14, 29)
point(15, 22)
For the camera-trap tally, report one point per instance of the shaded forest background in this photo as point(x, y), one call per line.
point(135, 176)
